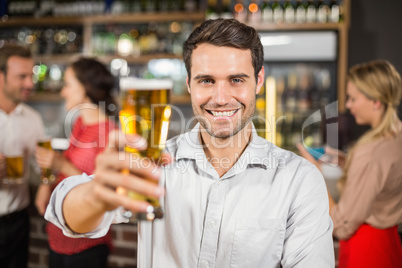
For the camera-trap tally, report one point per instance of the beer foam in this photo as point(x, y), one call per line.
point(127, 83)
point(60, 144)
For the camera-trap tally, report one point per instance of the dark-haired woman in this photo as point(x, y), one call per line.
point(87, 90)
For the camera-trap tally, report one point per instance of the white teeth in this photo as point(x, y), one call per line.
point(229, 113)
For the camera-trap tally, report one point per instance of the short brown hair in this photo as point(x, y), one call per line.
point(9, 50)
point(225, 33)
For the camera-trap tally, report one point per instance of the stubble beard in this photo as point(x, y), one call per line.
point(233, 129)
point(13, 95)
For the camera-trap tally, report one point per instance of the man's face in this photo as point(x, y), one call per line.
point(17, 82)
point(223, 88)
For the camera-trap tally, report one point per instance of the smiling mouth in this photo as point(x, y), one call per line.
point(222, 113)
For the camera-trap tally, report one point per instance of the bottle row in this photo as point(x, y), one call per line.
point(303, 91)
point(46, 40)
point(94, 7)
point(140, 39)
point(291, 128)
point(251, 11)
point(279, 11)
point(129, 40)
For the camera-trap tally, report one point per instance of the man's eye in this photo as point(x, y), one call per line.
point(206, 81)
point(237, 80)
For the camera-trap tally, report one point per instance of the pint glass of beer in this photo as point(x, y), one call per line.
point(47, 177)
point(145, 111)
point(14, 169)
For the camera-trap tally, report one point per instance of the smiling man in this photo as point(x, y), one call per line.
point(231, 198)
point(20, 128)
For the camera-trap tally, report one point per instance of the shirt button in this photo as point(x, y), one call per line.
point(205, 264)
point(211, 223)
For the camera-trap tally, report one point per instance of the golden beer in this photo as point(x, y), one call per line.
point(47, 176)
point(145, 111)
point(14, 169)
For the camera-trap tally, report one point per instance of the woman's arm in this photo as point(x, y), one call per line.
point(55, 161)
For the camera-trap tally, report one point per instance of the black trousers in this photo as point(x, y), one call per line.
point(95, 257)
point(14, 240)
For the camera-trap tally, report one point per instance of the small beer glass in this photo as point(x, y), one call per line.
point(145, 111)
point(14, 166)
point(47, 176)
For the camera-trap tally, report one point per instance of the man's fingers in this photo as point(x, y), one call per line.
point(128, 181)
point(137, 165)
point(109, 196)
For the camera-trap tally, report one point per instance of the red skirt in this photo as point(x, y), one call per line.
point(371, 248)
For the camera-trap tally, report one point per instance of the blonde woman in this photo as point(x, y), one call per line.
point(370, 207)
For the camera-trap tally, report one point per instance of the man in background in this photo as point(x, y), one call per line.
point(20, 126)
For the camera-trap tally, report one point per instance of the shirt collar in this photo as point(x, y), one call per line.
point(189, 144)
point(257, 152)
point(17, 111)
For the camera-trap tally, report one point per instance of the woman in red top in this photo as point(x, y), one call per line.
point(87, 91)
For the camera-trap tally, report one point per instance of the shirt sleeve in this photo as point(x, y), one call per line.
point(362, 186)
point(308, 240)
point(54, 212)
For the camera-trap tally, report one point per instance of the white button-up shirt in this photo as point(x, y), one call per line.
point(19, 132)
point(269, 210)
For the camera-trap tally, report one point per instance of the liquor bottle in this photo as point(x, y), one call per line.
point(259, 116)
point(296, 131)
point(280, 96)
point(148, 5)
point(301, 11)
point(254, 13)
point(324, 84)
point(289, 11)
point(304, 102)
point(266, 12)
point(335, 12)
point(277, 11)
point(311, 15)
point(191, 5)
point(240, 12)
point(212, 12)
point(45, 8)
point(341, 10)
point(227, 9)
point(323, 11)
point(291, 92)
point(117, 7)
point(287, 130)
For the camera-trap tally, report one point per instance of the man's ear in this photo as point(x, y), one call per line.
point(188, 85)
point(2, 79)
point(260, 80)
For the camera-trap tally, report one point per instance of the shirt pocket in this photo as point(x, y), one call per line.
point(257, 243)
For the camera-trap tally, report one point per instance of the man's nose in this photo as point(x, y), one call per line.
point(28, 82)
point(221, 93)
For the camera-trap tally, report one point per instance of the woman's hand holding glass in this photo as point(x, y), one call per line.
point(47, 161)
point(331, 156)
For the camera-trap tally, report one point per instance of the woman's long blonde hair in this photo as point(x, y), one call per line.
point(377, 80)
